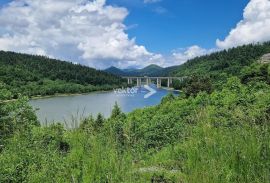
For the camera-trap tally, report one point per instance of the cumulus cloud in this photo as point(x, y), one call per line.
point(94, 34)
point(255, 26)
point(89, 32)
point(180, 56)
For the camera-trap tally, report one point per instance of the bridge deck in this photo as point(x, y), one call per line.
point(148, 80)
point(140, 77)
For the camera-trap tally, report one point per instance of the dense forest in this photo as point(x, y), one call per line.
point(228, 62)
point(32, 75)
point(221, 134)
point(216, 67)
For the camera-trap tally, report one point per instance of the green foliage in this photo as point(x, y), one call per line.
point(225, 135)
point(116, 112)
point(196, 84)
point(87, 124)
point(229, 61)
point(5, 94)
point(116, 126)
point(36, 75)
point(222, 135)
point(169, 98)
point(99, 122)
point(238, 154)
point(215, 68)
point(15, 117)
point(217, 137)
point(256, 73)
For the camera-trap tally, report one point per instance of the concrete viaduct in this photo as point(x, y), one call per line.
point(148, 80)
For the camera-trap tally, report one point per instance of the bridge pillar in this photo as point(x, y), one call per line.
point(139, 82)
point(169, 82)
point(148, 81)
point(158, 82)
point(130, 80)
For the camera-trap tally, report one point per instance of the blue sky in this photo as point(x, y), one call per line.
point(131, 33)
point(184, 22)
point(4, 2)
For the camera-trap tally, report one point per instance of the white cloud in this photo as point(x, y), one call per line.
point(160, 10)
point(93, 33)
point(151, 1)
point(89, 32)
point(181, 56)
point(255, 26)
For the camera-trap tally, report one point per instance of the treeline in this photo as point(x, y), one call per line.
point(38, 75)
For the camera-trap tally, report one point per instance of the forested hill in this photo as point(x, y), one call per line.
point(151, 70)
point(116, 71)
point(209, 72)
point(229, 61)
point(38, 75)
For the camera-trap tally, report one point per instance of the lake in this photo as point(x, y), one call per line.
point(70, 109)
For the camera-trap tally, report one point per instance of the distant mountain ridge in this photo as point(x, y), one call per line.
point(116, 71)
point(151, 70)
point(229, 61)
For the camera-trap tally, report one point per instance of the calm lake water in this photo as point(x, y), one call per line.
point(70, 109)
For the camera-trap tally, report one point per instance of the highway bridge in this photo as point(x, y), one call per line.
point(148, 80)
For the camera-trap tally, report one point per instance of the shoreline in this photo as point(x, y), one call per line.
point(75, 94)
point(56, 95)
point(66, 94)
point(79, 94)
point(170, 89)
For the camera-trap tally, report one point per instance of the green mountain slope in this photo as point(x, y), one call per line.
point(229, 61)
point(150, 70)
point(116, 71)
point(209, 72)
point(37, 75)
